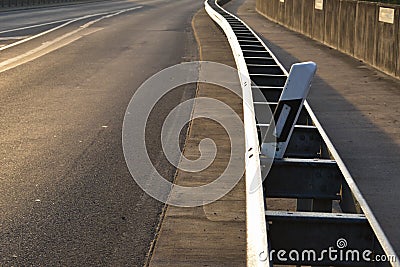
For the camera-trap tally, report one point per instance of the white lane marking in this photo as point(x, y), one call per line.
point(13, 38)
point(44, 49)
point(36, 25)
point(55, 44)
point(48, 31)
point(39, 25)
point(107, 15)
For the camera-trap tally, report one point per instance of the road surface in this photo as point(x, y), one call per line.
point(67, 197)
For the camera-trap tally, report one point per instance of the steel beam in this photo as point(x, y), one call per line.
point(264, 69)
point(304, 118)
point(305, 179)
point(317, 232)
point(269, 93)
point(268, 79)
point(305, 142)
point(257, 60)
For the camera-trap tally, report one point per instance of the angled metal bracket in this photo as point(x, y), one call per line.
point(289, 106)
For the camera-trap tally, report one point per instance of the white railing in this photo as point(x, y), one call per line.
point(257, 242)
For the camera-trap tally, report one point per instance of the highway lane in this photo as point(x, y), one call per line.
point(67, 197)
point(23, 23)
point(27, 17)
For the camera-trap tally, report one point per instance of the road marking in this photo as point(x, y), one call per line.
point(36, 25)
point(42, 24)
point(13, 38)
point(55, 44)
point(106, 15)
point(44, 49)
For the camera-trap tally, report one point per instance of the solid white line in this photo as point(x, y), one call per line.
point(48, 31)
point(13, 38)
point(107, 15)
point(55, 44)
point(36, 25)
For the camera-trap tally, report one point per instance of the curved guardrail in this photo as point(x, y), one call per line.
point(310, 170)
point(257, 242)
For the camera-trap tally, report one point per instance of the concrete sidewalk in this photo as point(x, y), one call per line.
point(213, 234)
point(358, 106)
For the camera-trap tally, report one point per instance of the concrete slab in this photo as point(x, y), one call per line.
point(215, 234)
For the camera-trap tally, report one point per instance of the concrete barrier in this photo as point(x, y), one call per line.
point(297, 7)
point(365, 34)
point(398, 46)
point(347, 18)
point(289, 13)
point(366, 30)
point(387, 42)
point(260, 6)
point(318, 22)
point(275, 9)
point(307, 17)
point(281, 10)
point(331, 30)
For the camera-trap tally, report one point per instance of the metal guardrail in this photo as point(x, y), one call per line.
point(330, 210)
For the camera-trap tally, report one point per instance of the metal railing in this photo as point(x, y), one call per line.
point(330, 212)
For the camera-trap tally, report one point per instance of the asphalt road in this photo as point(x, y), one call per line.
point(27, 17)
point(21, 23)
point(67, 197)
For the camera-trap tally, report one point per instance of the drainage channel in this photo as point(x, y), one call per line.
point(309, 210)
